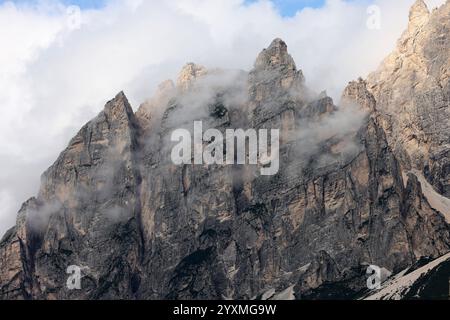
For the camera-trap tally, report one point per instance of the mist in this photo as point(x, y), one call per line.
point(57, 73)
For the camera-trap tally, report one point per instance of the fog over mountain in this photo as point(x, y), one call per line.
point(58, 67)
point(364, 179)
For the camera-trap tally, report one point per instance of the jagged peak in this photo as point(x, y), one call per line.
point(119, 107)
point(120, 96)
point(274, 56)
point(419, 7)
point(356, 93)
point(419, 13)
point(278, 43)
point(188, 74)
point(275, 74)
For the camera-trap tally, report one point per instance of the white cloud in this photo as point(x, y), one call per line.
point(55, 77)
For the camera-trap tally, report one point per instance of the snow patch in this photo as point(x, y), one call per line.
point(436, 201)
point(287, 294)
point(397, 287)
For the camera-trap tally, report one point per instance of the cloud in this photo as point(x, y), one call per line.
point(57, 71)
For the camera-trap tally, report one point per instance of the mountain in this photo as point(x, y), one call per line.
point(424, 280)
point(363, 183)
point(412, 90)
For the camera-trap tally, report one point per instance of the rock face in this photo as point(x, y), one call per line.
point(412, 93)
point(427, 279)
point(347, 195)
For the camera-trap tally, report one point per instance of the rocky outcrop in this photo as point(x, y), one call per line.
point(150, 110)
point(411, 89)
point(357, 94)
point(189, 74)
point(427, 280)
point(141, 227)
point(275, 84)
point(86, 214)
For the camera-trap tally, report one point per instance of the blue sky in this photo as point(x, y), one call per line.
point(290, 7)
point(286, 7)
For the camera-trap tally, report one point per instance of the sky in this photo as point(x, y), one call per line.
point(83, 4)
point(59, 65)
point(285, 7)
point(289, 8)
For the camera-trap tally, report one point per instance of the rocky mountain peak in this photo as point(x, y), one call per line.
point(119, 107)
point(411, 89)
point(351, 191)
point(188, 74)
point(274, 75)
point(276, 55)
point(357, 93)
point(418, 14)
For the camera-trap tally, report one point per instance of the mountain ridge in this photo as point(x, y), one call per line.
point(346, 196)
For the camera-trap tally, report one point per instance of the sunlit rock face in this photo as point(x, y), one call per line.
point(412, 93)
point(355, 186)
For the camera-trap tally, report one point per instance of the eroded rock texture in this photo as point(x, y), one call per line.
point(412, 90)
point(345, 196)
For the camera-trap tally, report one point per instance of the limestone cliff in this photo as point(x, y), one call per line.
point(412, 93)
point(349, 192)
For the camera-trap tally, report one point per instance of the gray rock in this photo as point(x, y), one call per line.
point(141, 227)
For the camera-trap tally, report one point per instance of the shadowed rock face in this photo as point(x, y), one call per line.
point(143, 228)
point(427, 279)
